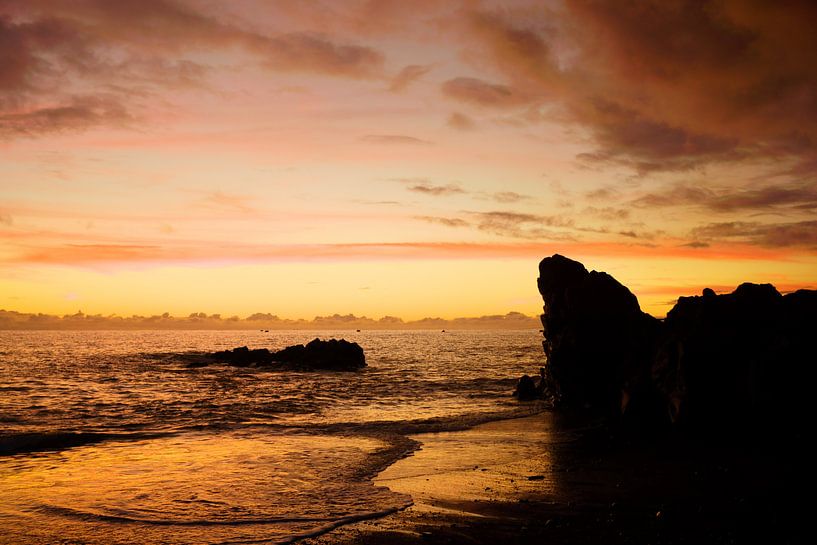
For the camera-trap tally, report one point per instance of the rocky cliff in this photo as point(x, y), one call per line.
point(717, 361)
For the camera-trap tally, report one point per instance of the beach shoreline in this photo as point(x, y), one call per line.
point(540, 478)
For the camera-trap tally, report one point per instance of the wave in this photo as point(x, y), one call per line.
point(31, 442)
point(376, 428)
point(393, 432)
point(102, 517)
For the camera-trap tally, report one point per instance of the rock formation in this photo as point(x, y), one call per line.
point(738, 359)
point(716, 361)
point(331, 355)
point(598, 342)
point(526, 389)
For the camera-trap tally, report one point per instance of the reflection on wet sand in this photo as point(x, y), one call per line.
point(506, 460)
point(196, 488)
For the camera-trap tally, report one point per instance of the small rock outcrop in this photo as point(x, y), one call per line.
point(526, 389)
point(717, 361)
point(331, 355)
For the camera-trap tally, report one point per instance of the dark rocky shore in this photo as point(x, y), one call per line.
point(717, 363)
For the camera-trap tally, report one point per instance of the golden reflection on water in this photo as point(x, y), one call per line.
point(248, 483)
point(198, 488)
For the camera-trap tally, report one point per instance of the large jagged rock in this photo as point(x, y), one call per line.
point(598, 342)
point(331, 355)
point(718, 362)
point(737, 360)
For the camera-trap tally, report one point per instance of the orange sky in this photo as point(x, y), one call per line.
point(403, 158)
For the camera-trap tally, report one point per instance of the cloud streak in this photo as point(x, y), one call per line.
point(509, 197)
point(436, 190)
point(509, 224)
point(78, 114)
point(111, 255)
point(407, 76)
point(771, 235)
point(482, 93)
point(791, 196)
point(398, 139)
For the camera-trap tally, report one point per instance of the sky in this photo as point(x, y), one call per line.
point(409, 159)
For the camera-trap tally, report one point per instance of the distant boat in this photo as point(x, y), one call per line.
point(443, 331)
point(357, 330)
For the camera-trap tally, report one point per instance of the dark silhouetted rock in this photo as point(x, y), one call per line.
point(244, 357)
point(317, 354)
point(737, 360)
point(526, 389)
point(717, 362)
point(332, 355)
point(598, 343)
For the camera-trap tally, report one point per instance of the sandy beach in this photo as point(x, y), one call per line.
point(540, 479)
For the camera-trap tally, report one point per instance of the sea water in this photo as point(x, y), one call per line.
point(109, 438)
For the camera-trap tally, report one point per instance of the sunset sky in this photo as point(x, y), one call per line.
point(403, 158)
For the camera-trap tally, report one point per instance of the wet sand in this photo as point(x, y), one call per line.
point(541, 479)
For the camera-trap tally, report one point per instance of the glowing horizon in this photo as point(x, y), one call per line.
point(380, 158)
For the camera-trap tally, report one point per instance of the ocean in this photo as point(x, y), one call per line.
point(107, 437)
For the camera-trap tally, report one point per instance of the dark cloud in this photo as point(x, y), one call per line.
point(461, 122)
point(394, 139)
point(482, 93)
point(696, 244)
point(627, 136)
point(772, 235)
point(52, 51)
point(302, 52)
point(520, 49)
point(436, 190)
point(798, 197)
point(80, 113)
point(664, 85)
point(407, 76)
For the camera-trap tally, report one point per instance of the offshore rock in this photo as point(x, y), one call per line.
point(331, 355)
point(243, 356)
point(598, 342)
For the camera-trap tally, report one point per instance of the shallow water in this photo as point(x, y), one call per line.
point(160, 453)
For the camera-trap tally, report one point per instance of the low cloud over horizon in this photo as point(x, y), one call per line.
point(12, 320)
